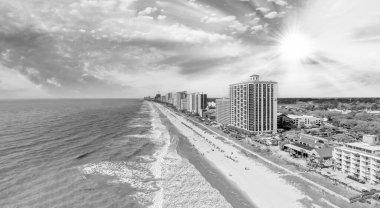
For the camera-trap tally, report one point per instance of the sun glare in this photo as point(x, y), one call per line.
point(295, 46)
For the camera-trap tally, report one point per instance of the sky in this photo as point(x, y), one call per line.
point(135, 48)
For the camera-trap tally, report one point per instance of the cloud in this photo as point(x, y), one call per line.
point(226, 19)
point(271, 15)
point(263, 9)
point(161, 17)
point(147, 11)
point(229, 21)
point(95, 48)
point(257, 28)
point(54, 82)
point(279, 2)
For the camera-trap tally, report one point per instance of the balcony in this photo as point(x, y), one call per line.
point(355, 168)
point(366, 172)
point(355, 161)
point(366, 159)
point(338, 155)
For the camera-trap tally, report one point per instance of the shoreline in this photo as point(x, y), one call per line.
point(262, 187)
point(185, 149)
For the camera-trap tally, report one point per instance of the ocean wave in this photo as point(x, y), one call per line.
point(137, 175)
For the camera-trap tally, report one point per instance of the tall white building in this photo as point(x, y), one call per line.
point(360, 159)
point(223, 111)
point(169, 98)
point(189, 107)
point(177, 97)
point(254, 105)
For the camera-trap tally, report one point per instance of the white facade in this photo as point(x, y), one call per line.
point(183, 104)
point(304, 120)
point(253, 105)
point(177, 97)
point(169, 98)
point(189, 102)
point(360, 159)
point(192, 102)
point(223, 111)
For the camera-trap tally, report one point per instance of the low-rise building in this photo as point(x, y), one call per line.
point(311, 141)
point(310, 146)
point(360, 159)
point(304, 120)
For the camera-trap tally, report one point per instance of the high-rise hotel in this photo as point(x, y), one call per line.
point(254, 105)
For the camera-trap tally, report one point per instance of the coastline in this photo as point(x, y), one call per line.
point(178, 182)
point(217, 180)
point(263, 187)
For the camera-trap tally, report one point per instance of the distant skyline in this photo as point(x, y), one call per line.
point(134, 48)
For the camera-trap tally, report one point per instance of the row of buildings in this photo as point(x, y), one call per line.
point(250, 108)
point(194, 103)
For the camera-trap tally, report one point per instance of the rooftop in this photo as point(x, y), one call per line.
point(325, 152)
point(249, 82)
point(298, 147)
point(364, 145)
point(254, 79)
point(297, 116)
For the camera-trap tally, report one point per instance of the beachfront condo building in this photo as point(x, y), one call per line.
point(183, 104)
point(189, 103)
point(201, 104)
point(163, 99)
point(360, 160)
point(223, 111)
point(177, 97)
point(169, 98)
point(253, 105)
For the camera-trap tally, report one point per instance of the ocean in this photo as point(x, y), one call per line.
point(97, 153)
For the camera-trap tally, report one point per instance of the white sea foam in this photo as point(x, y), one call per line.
point(139, 136)
point(182, 185)
point(161, 137)
point(136, 125)
point(137, 175)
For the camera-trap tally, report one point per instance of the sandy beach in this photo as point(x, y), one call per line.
point(262, 186)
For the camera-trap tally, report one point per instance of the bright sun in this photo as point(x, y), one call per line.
point(295, 46)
